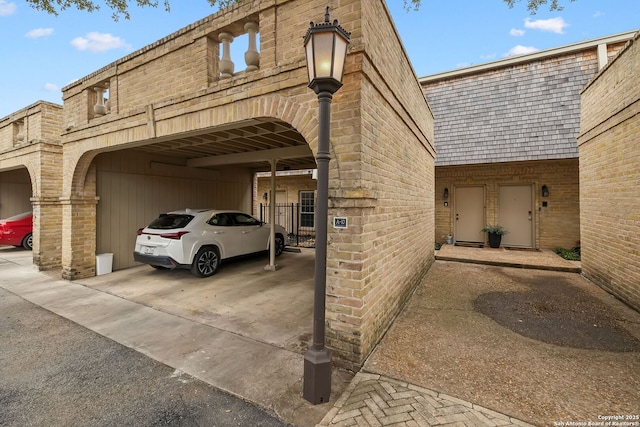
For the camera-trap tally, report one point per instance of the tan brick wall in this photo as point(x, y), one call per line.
point(383, 183)
point(79, 229)
point(556, 225)
point(42, 122)
point(609, 177)
point(47, 231)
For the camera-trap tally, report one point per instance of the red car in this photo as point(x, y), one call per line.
point(17, 230)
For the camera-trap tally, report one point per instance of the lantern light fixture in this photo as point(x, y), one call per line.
point(325, 47)
point(545, 191)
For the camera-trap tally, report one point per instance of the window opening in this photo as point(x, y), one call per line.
point(307, 209)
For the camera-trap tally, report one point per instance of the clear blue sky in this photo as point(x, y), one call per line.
point(41, 53)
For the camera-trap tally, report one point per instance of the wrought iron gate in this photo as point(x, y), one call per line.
point(297, 219)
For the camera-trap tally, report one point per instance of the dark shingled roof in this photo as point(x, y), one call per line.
point(524, 111)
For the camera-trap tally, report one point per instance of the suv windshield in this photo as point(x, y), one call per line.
point(170, 221)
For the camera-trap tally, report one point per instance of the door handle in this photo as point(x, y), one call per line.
point(457, 217)
point(218, 232)
point(530, 217)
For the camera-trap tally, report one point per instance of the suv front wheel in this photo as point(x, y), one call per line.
point(206, 262)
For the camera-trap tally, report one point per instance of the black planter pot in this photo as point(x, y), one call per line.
point(494, 240)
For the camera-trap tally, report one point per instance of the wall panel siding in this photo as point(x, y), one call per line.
point(15, 192)
point(134, 188)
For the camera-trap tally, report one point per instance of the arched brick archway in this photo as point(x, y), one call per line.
point(42, 162)
point(80, 196)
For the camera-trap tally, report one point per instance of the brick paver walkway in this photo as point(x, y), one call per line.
point(375, 401)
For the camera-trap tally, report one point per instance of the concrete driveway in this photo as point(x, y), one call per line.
point(275, 308)
point(244, 330)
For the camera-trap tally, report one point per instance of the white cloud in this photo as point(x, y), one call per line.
point(521, 50)
point(99, 42)
point(50, 87)
point(598, 14)
point(516, 33)
point(39, 32)
point(553, 25)
point(463, 64)
point(7, 8)
point(488, 57)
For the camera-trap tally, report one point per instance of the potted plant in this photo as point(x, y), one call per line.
point(495, 233)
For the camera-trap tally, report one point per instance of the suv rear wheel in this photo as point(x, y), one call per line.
point(206, 262)
point(279, 244)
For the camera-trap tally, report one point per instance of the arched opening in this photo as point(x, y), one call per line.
point(16, 212)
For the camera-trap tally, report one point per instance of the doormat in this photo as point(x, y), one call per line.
point(469, 244)
point(521, 249)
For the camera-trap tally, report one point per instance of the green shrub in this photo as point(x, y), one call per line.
point(569, 254)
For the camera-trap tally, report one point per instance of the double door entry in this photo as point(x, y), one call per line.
point(515, 214)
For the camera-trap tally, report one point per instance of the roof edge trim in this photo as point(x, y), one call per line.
point(518, 59)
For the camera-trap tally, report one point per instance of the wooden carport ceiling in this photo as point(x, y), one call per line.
point(250, 143)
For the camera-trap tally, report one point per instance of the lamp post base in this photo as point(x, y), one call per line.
point(317, 376)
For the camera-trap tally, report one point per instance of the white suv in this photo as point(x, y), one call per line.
point(199, 239)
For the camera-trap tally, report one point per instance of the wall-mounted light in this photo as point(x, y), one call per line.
point(545, 191)
point(446, 193)
point(265, 196)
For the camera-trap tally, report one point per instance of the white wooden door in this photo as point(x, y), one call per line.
point(515, 214)
point(281, 208)
point(469, 214)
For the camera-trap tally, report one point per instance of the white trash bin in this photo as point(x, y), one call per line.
point(104, 264)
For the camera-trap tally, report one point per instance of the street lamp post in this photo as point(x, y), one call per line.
point(326, 52)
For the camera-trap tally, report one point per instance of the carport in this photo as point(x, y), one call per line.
point(15, 192)
point(205, 169)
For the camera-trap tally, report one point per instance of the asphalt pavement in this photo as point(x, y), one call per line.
point(54, 372)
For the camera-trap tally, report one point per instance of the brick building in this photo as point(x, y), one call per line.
point(30, 177)
point(610, 176)
point(505, 135)
point(173, 125)
point(170, 126)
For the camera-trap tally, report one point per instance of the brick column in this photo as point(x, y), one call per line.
point(47, 211)
point(47, 229)
point(79, 237)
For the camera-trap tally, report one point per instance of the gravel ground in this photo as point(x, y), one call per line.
point(545, 347)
